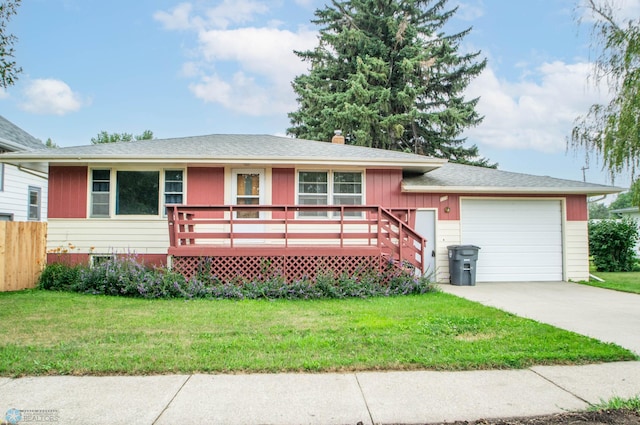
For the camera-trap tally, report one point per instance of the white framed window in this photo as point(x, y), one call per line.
point(100, 193)
point(35, 195)
point(330, 188)
point(130, 192)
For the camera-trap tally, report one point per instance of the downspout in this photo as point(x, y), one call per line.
point(39, 174)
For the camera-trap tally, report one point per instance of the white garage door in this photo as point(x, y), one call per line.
point(520, 240)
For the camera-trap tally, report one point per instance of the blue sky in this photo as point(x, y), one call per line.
point(183, 68)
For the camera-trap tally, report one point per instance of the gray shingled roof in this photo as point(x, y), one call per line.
point(248, 150)
point(236, 148)
point(468, 179)
point(13, 138)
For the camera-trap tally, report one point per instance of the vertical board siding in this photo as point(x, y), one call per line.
point(68, 188)
point(283, 188)
point(577, 250)
point(577, 209)
point(22, 254)
point(205, 186)
point(384, 187)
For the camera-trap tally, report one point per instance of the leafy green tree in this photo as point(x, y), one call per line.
point(386, 75)
point(612, 131)
point(104, 137)
point(611, 243)
point(598, 211)
point(9, 70)
point(624, 200)
point(51, 144)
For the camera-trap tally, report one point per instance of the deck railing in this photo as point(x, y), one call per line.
point(196, 230)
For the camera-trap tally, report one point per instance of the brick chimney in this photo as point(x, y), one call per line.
point(338, 138)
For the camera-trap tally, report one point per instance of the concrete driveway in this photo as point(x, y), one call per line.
point(607, 315)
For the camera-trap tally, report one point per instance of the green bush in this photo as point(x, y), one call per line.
point(125, 276)
point(611, 243)
point(59, 277)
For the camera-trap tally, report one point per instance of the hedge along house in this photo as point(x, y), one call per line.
point(245, 202)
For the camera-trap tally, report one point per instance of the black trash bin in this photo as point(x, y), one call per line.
point(462, 264)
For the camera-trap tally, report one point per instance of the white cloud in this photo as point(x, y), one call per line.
point(535, 113)
point(623, 10)
point(3, 93)
point(178, 19)
point(245, 68)
point(265, 51)
point(469, 10)
point(183, 16)
point(50, 96)
point(241, 94)
point(234, 12)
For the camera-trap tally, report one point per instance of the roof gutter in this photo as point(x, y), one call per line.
point(604, 190)
point(422, 166)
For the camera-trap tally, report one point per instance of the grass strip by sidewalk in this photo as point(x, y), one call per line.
point(623, 281)
point(64, 333)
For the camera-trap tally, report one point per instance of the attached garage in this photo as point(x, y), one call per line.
point(520, 239)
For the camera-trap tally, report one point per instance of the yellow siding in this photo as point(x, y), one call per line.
point(576, 250)
point(447, 233)
point(109, 236)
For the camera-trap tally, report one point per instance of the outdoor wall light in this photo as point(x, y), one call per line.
point(447, 209)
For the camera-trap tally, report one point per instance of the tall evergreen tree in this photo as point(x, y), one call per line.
point(387, 76)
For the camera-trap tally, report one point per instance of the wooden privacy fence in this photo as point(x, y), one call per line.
point(23, 253)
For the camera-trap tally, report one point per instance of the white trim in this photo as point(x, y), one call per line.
point(421, 166)
point(513, 190)
point(330, 193)
point(435, 237)
point(262, 189)
point(113, 189)
point(563, 219)
point(38, 191)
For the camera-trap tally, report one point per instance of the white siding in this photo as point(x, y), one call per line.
point(447, 233)
point(636, 217)
point(14, 199)
point(109, 236)
point(577, 250)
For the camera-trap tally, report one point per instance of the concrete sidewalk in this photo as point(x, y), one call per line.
point(350, 398)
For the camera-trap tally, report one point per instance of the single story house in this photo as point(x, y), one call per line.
point(634, 213)
point(239, 196)
point(23, 192)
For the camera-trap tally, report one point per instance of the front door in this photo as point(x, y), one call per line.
point(247, 189)
point(426, 226)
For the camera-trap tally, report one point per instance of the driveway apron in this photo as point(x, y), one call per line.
point(604, 314)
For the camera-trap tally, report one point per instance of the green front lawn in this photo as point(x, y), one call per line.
point(624, 281)
point(65, 333)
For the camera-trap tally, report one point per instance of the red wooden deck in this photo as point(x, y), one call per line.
point(293, 241)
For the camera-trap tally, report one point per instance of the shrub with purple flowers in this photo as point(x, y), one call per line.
point(128, 277)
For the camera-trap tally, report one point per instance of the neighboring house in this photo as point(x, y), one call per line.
point(634, 213)
point(112, 197)
point(23, 190)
